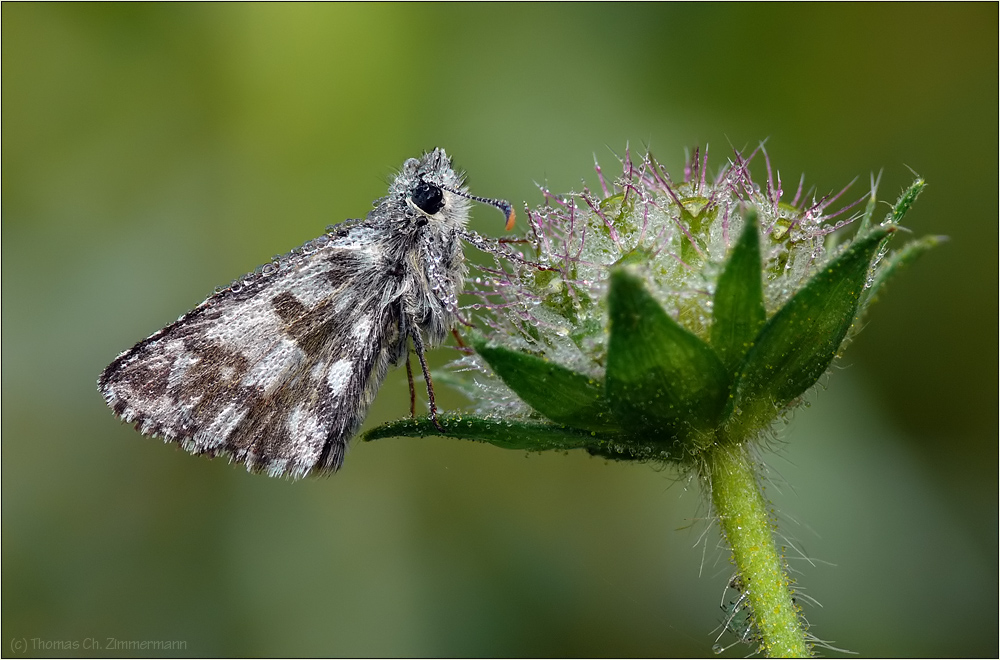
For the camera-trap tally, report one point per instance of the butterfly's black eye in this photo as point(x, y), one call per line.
point(428, 198)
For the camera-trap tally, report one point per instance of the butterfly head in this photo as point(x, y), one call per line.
point(431, 187)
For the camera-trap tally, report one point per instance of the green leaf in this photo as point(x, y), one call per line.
point(738, 307)
point(563, 396)
point(797, 345)
point(507, 434)
point(662, 381)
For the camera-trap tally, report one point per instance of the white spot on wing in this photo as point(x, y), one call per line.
point(339, 375)
point(345, 301)
point(277, 467)
point(310, 291)
point(307, 433)
point(362, 329)
point(181, 365)
point(245, 326)
point(272, 369)
point(318, 370)
point(225, 422)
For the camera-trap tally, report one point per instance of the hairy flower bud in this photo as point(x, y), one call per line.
point(656, 318)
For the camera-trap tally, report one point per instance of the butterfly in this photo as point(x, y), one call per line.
point(278, 370)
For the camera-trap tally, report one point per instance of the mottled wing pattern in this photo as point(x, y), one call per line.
point(277, 371)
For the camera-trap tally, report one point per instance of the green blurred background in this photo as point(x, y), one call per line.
point(151, 152)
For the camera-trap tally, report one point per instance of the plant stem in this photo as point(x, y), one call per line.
point(742, 511)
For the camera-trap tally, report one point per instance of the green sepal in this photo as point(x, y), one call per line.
point(663, 382)
point(798, 343)
point(506, 434)
point(866, 217)
point(522, 436)
point(560, 394)
point(899, 209)
point(738, 306)
point(906, 199)
point(896, 261)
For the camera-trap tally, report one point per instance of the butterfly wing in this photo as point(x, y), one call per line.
point(277, 371)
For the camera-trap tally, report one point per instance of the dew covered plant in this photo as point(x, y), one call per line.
point(675, 321)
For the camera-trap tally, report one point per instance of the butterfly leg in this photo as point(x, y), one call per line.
point(418, 345)
point(498, 249)
point(413, 391)
point(462, 348)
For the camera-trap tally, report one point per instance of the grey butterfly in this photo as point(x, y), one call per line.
point(278, 370)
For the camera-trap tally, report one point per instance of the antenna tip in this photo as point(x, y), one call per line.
point(501, 204)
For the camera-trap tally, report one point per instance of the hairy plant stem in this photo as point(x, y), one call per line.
point(742, 511)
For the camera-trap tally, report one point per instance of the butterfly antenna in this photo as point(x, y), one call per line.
point(502, 204)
